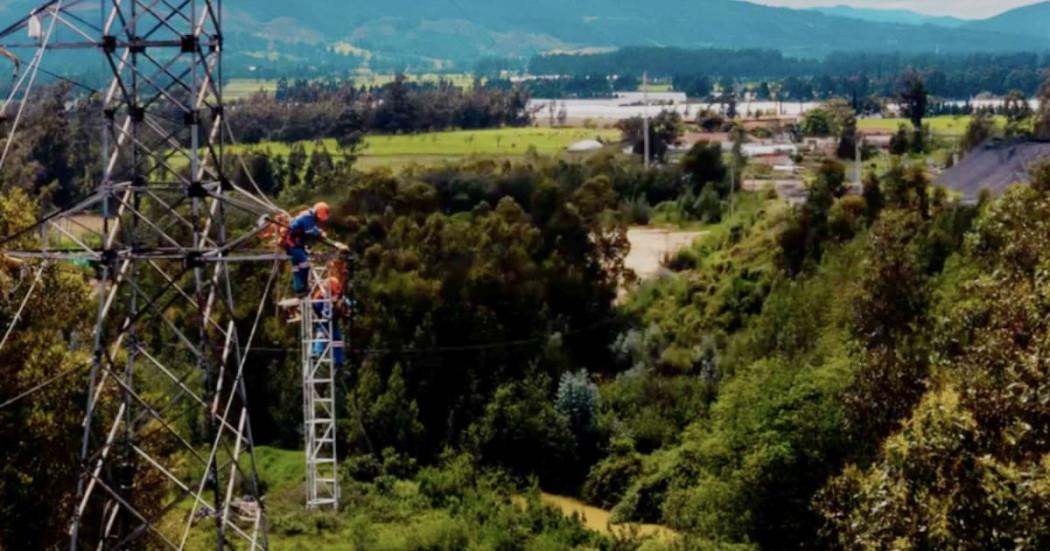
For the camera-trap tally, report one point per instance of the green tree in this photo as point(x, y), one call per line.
point(577, 398)
point(912, 94)
point(978, 131)
point(763, 93)
point(40, 433)
point(1042, 116)
point(873, 198)
point(831, 176)
point(1017, 111)
point(968, 467)
point(847, 148)
point(523, 431)
point(888, 314)
point(664, 130)
point(818, 122)
point(704, 164)
point(708, 206)
point(899, 142)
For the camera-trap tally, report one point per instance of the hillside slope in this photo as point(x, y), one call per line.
point(1031, 20)
point(456, 28)
point(438, 34)
point(903, 17)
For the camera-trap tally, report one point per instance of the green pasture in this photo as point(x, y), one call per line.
point(950, 126)
point(434, 147)
point(239, 88)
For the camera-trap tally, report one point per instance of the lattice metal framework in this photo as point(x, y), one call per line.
point(166, 403)
point(318, 336)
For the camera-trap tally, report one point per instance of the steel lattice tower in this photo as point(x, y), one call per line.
point(317, 330)
point(166, 402)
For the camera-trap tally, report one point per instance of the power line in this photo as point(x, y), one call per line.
point(43, 385)
point(21, 308)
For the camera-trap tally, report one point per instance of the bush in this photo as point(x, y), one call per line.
point(636, 212)
point(609, 480)
point(522, 431)
point(846, 217)
point(708, 206)
point(455, 475)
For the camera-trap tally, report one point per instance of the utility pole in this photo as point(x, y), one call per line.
point(858, 154)
point(645, 116)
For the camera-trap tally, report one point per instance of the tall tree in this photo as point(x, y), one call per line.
point(914, 100)
point(664, 129)
point(980, 129)
point(1042, 119)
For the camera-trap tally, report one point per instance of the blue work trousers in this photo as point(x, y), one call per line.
point(300, 270)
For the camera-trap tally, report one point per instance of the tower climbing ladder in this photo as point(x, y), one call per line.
point(318, 329)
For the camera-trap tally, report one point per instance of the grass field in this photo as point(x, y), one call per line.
point(391, 519)
point(435, 147)
point(656, 88)
point(239, 88)
point(946, 126)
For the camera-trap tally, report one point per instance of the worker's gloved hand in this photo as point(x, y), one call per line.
point(341, 246)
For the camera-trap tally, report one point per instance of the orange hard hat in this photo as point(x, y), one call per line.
point(322, 210)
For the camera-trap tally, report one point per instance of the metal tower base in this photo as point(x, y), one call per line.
point(318, 328)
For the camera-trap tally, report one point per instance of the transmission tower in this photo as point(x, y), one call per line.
point(167, 455)
point(319, 340)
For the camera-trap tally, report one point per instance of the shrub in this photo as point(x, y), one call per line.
point(522, 431)
point(708, 206)
point(609, 480)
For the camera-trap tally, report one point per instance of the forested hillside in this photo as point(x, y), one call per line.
point(856, 371)
point(319, 35)
point(271, 39)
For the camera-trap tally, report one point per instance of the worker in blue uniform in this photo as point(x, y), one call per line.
point(304, 230)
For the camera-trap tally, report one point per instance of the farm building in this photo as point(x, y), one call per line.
point(993, 166)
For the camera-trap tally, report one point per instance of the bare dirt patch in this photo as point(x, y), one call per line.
point(649, 246)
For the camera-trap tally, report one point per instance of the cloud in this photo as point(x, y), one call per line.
point(970, 9)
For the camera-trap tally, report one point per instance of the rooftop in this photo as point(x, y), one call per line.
point(993, 166)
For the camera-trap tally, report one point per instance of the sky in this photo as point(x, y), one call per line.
point(967, 9)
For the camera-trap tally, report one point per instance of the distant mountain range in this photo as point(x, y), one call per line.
point(439, 33)
point(903, 17)
point(318, 36)
point(1033, 21)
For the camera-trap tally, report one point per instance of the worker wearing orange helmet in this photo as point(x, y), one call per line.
point(329, 313)
point(304, 230)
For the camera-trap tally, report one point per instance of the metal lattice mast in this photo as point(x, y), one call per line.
point(167, 453)
point(318, 341)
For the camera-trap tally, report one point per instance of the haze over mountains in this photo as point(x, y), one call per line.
point(903, 17)
point(441, 31)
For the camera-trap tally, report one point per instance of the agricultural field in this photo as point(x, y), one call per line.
point(656, 87)
point(240, 88)
point(399, 150)
point(243, 87)
point(947, 126)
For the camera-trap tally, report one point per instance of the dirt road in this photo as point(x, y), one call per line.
point(650, 245)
